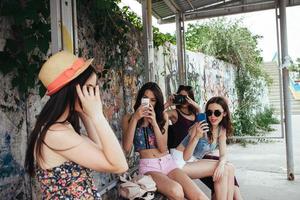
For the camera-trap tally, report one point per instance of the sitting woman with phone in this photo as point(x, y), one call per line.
point(182, 118)
point(147, 131)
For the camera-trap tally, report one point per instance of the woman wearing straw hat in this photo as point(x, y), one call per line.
point(57, 154)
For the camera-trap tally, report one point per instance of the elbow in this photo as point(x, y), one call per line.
point(115, 169)
point(186, 157)
point(121, 169)
point(163, 149)
point(126, 149)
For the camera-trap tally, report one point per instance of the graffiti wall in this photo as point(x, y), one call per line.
point(208, 76)
point(119, 86)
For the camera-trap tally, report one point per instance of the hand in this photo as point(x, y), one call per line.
point(151, 116)
point(219, 172)
point(170, 100)
point(141, 112)
point(193, 103)
point(90, 100)
point(198, 129)
point(201, 129)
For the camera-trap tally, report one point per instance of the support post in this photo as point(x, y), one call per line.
point(63, 26)
point(279, 70)
point(286, 92)
point(148, 40)
point(180, 47)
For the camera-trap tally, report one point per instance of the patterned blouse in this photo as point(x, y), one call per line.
point(67, 181)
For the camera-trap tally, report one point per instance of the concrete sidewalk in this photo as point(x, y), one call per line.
point(261, 168)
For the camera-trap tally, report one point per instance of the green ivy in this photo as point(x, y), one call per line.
point(232, 42)
point(295, 68)
point(25, 50)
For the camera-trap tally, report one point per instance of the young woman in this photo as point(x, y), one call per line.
point(182, 118)
point(60, 157)
point(201, 142)
point(147, 130)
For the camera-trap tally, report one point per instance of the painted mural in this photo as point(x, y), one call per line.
point(208, 76)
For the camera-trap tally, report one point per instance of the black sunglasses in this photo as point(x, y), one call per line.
point(216, 113)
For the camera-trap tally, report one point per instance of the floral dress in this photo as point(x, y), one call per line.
point(67, 181)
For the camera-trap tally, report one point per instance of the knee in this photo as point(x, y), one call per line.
point(231, 168)
point(176, 191)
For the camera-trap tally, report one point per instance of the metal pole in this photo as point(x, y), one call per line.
point(55, 17)
point(184, 52)
point(148, 39)
point(179, 42)
point(63, 26)
point(286, 93)
point(279, 70)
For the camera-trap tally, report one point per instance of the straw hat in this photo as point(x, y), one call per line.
point(60, 69)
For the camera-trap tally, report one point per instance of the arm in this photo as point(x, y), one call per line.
point(194, 104)
point(219, 171)
point(222, 149)
point(129, 124)
point(169, 102)
point(128, 128)
point(161, 139)
point(189, 150)
point(90, 129)
point(83, 151)
point(111, 159)
point(195, 133)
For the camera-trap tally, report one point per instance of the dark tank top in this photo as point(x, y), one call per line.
point(178, 131)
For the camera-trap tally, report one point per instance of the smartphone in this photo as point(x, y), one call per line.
point(179, 99)
point(145, 102)
point(201, 117)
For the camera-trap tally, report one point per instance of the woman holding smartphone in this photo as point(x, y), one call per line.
point(147, 130)
point(182, 118)
point(57, 154)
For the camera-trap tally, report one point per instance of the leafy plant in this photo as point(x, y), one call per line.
point(295, 67)
point(233, 43)
point(25, 51)
point(265, 118)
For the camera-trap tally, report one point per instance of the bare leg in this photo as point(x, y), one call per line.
point(205, 168)
point(230, 184)
point(168, 187)
point(190, 189)
point(237, 193)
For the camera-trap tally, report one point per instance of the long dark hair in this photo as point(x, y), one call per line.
point(53, 109)
point(226, 121)
point(159, 106)
point(189, 90)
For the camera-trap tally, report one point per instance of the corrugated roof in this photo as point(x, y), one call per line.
point(165, 10)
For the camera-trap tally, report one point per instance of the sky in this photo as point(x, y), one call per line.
point(259, 23)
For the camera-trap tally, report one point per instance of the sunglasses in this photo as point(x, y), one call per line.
point(216, 113)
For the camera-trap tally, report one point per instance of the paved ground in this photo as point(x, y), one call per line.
point(261, 168)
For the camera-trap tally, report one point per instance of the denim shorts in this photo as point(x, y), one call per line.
point(163, 164)
point(202, 148)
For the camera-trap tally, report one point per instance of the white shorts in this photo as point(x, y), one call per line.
point(178, 158)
